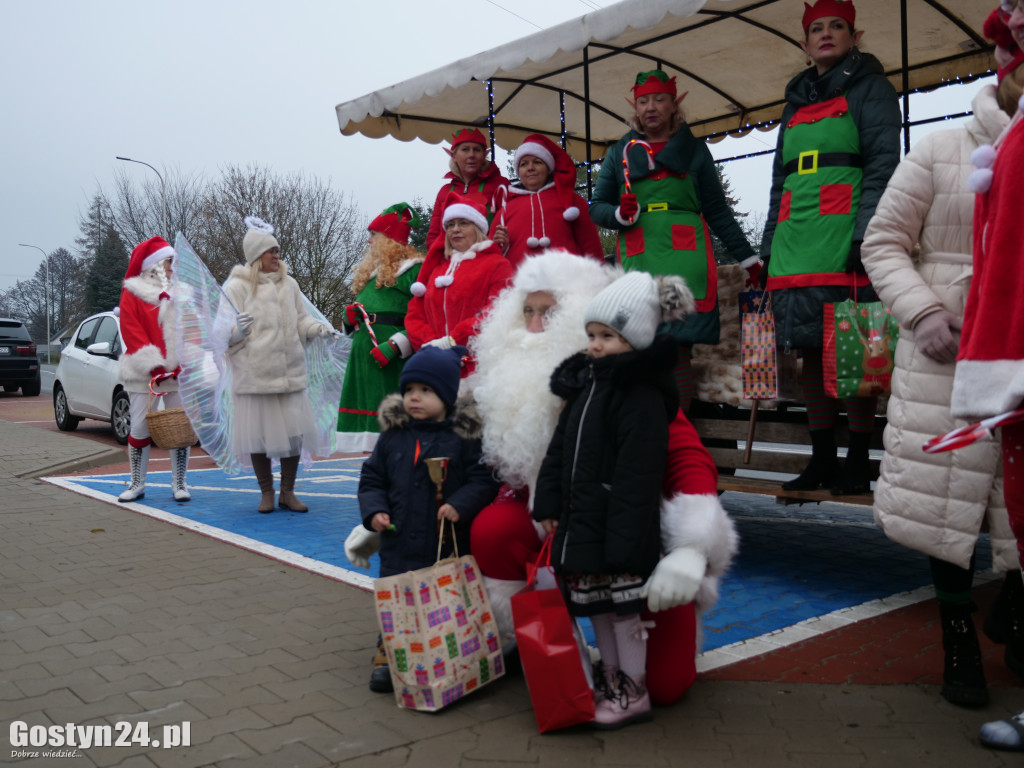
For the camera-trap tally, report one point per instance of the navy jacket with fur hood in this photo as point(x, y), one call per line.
point(603, 472)
point(395, 480)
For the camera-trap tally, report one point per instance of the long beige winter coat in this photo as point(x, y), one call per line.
point(271, 359)
point(933, 503)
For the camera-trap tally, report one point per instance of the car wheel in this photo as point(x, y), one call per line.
point(121, 417)
point(32, 389)
point(61, 413)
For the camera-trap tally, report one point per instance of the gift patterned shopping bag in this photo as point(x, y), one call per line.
point(858, 347)
point(757, 347)
point(439, 632)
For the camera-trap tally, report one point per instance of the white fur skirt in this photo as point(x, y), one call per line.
point(274, 424)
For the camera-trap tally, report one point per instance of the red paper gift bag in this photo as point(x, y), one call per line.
point(552, 653)
point(757, 347)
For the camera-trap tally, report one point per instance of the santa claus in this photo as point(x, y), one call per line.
point(150, 356)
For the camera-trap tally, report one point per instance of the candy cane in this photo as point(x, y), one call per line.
point(500, 198)
point(972, 433)
point(625, 160)
point(369, 326)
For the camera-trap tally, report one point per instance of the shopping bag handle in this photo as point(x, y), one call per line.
point(543, 559)
point(440, 539)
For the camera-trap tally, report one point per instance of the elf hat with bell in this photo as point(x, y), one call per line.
point(396, 222)
point(561, 166)
point(842, 9)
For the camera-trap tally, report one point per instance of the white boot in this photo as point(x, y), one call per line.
point(179, 466)
point(138, 458)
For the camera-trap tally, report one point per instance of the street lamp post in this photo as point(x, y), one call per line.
point(163, 189)
point(46, 261)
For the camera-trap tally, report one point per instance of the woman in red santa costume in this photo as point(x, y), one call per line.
point(531, 328)
point(471, 174)
point(462, 274)
point(542, 210)
point(989, 378)
point(148, 320)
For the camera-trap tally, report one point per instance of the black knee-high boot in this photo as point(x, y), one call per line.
point(963, 679)
point(823, 468)
point(856, 474)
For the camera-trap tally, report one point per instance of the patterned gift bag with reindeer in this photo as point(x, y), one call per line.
point(439, 632)
point(858, 349)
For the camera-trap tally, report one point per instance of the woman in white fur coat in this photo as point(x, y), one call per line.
point(938, 503)
point(272, 416)
point(148, 319)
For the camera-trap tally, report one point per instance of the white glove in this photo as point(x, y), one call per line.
point(243, 327)
point(326, 330)
point(676, 579)
point(361, 545)
point(444, 342)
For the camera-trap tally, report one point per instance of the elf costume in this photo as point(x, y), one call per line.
point(376, 322)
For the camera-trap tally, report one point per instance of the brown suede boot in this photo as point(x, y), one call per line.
point(287, 499)
point(261, 467)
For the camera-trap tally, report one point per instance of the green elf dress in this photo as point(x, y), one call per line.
point(681, 204)
point(366, 382)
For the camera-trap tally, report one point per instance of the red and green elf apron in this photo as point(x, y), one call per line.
point(821, 194)
point(670, 237)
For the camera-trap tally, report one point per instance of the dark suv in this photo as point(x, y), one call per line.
point(19, 366)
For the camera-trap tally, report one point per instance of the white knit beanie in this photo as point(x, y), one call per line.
point(259, 238)
point(630, 306)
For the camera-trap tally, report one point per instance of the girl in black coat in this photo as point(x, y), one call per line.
point(600, 484)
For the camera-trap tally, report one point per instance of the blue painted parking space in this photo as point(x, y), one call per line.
point(795, 563)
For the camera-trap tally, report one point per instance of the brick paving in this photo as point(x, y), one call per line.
point(108, 616)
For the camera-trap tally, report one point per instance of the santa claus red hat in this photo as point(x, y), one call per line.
point(561, 166)
point(148, 254)
point(842, 9)
point(458, 206)
point(462, 135)
point(396, 222)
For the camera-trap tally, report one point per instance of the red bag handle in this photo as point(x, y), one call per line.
point(543, 560)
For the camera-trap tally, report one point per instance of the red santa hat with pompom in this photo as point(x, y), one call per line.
point(457, 206)
point(561, 166)
point(148, 254)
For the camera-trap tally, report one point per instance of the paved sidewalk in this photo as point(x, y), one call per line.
point(108, 616)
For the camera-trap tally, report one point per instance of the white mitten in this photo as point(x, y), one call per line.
point(676, 579)
point(443, 342)
point(361, 545)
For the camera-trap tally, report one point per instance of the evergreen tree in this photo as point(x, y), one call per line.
point(418, 237)
point(106, 273)
point(721, 252)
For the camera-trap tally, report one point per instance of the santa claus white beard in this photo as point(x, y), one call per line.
point(512, 391)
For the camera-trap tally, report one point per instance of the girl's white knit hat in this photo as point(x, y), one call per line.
point(635, 304)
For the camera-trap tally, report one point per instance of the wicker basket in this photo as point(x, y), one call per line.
point(170, 428)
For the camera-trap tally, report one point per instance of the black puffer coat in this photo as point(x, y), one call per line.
point(602, 474)
point(395, 480)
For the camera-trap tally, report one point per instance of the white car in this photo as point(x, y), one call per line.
point(87, 385)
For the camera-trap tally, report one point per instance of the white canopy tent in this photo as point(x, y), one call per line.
point(734, 57)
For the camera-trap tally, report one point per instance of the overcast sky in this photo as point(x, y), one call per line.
point(192, 85)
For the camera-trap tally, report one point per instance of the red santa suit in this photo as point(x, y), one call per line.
point(148, 319)
point(453, 291)
point(519, 414)
point(536, 222)
point(989, 377)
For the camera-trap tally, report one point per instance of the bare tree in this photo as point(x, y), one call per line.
point(320, 232)
point(136, 205)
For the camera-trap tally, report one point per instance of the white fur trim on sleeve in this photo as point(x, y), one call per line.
point(700, 522)
point(401, 341)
